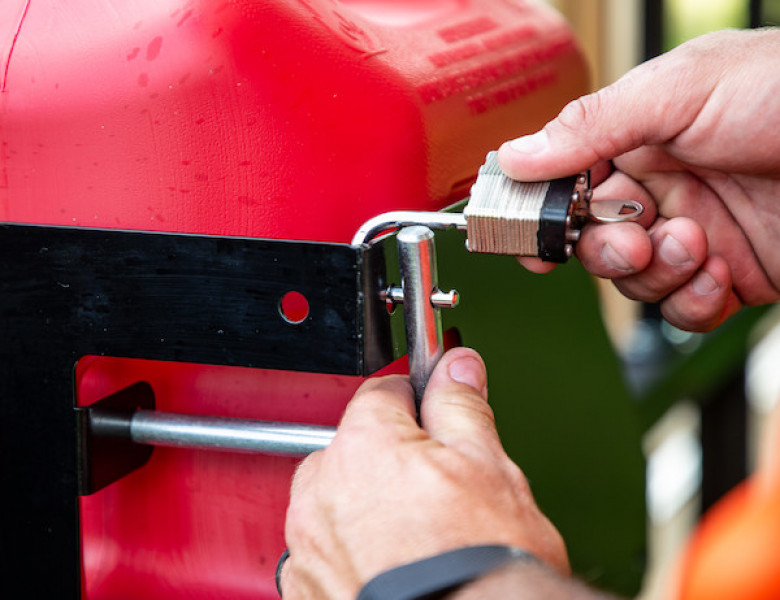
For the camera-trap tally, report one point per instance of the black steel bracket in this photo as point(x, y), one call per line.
point(70, 292)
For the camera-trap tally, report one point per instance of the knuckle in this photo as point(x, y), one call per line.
point(692, 316)
point(298, 522)
point(635, 288)
point(585, 118)
point(657, 283)
point(301, 475)
point(375, 405)
point(375, 391)
point(517, 478)
point(473, 404)
point(358, 439)
point(578, 113)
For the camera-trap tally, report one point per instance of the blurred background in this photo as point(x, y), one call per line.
point(702, 429)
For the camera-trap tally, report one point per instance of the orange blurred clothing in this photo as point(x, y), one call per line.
point(735, 552)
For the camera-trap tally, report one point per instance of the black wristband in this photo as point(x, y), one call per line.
point(431, 577)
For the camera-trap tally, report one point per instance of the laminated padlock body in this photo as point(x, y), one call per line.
point(294, 120)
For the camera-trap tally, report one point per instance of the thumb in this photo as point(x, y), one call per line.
point(646, 106)
point(454, 410)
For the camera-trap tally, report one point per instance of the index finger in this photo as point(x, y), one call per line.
point(646, 106)
point(382, 406)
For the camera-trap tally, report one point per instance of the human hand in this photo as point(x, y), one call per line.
point(388, 492)
point(694, 135)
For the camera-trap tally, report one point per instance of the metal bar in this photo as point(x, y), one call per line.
point(417, 260)
point(157, 428)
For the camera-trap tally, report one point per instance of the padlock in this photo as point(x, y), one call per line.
point(542, 218)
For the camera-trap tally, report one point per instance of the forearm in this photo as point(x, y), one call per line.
point(524, 580)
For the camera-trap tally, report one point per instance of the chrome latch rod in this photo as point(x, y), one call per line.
point(156, 428)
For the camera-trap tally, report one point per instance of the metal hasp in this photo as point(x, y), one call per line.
point(419, 292)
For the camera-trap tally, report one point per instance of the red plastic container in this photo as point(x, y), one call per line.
point(285, 119)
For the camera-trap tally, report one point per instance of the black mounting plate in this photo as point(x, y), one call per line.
point(70, 292)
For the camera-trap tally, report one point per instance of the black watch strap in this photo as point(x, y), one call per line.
point(437, 575)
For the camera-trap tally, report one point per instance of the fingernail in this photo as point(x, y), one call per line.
point(614, 260)
point(673, 252)
point(531, 144)
point(469, 371)
point(704, 284)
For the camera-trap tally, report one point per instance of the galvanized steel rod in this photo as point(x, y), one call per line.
point(157, 428)
point(417, 259)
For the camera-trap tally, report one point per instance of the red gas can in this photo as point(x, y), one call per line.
point(294, 119)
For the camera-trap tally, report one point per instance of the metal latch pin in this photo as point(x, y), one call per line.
point(422, 300)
